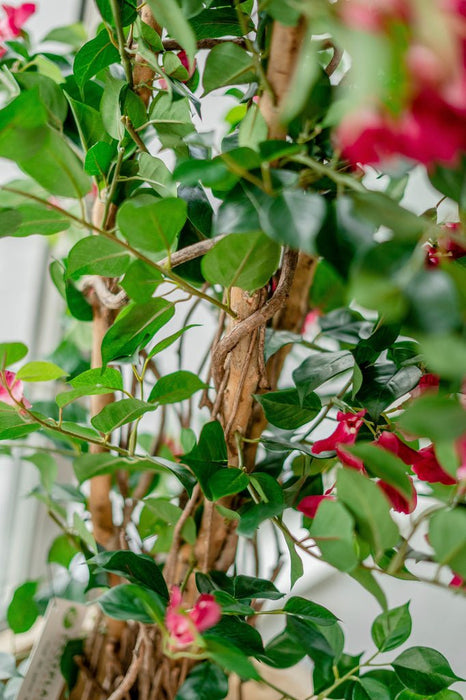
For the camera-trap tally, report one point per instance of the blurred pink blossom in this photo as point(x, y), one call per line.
point(12, 23)
point(184, 625)
point(11, 390)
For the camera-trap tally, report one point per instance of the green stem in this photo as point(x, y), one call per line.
point(114, 185)
point(134, 134)
point(327, 171)
point(121, 42)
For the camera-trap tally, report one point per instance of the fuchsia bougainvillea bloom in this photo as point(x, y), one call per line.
point(11, 390)
point(397, 499)
point(345, 433)
point(185, 625)
point(427, 468)
point(12, 23)
point(310, 504)
point(429, 128)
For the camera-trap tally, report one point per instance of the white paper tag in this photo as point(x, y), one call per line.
point(63, 621)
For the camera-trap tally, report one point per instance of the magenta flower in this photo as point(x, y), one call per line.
point(427, 468)
point(398, 501)
point(371, 15)
point(11, 390)
point(185, 625)
point(428, 382)
point(11, 25)
point(457, 582)
point(345, 433)
point(310, 504)
point(392, 443)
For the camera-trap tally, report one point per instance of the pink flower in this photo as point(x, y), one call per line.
point(371, 15)
point(310, 504)
point(185, 625)
point(345, 433)
point(398, 501)
point(457, 582)
point(311, 324)
point(392, 443)
point(11, 390)
point(427, 468)
point(11, 24)
point(428, 382)
point(366, 136)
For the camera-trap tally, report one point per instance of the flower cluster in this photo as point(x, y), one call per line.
point(430, 126)
point(12, 23)
point(184, 625)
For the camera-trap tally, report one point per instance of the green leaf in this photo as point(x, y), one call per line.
point(218, 21)
point(370, 509)
point(68, 667)
point(283, 652)
point(296, 563)
point(134, 328)
point(332, 528)
point(226, 482)
point(91, 383)
point(141, 281)
point(424, 670)
point(37, 219)
point(170, 15)
point(392, 628)
point(169, 340)
point(10, 221)
point(119, 413)
point(447, 536)
point(381, 210)
point(127, 11)
point(47, 466)
point(385, 465)
point(84, 533)
point(157, 175)
point(444, 355)
point(208, 456)
point(308, 611)
point(137, 568)
point(152, 224)
point(383, 383)
point(89, 124)
point(131, 602)
point(443, 695)
point(56, 156)
point(319, 368)
point(295, 218)
point(96, 54)
point(205, 682)
point(227, 64)
point(12, 425)
point(247, 261)
point(436, 417)
point(23, 610)
point(23, 126)
point(370, 689)
point(175, 387)
point(62, 551)
point(252, 587)
point(285, 410)
point(72, 34)
point(230, 658)
point(328, 290)
point(96, 255)
point(10, 353)
point(40, 372)
point(98, 159)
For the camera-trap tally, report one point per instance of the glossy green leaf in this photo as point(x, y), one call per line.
point(40, 372)
point(10, 353)
point(369, 508)
point(23, 610)
point(89, 125)
point(218, 21)
point(285, 410)
point(175, 387)
point(226, 482)
point(170, 15)
point(169, 340)
point(370, 689)
point(127, 11)
point(294, 219)
point(392, 628)
point(205, 682)
point(137, 568)
point(62, 551)
point(445, 356)
point(12, 425)
point(308, 611)
point(447, 536)
point(253, 587)
point(157, 175)
point(39, 220)
point(141, 281)
point(319, 368)
point(134, 328)
point(98, 159)
point(227, 64)
point(131, 602)
point(119, 413)
point(23, 126)
point(332, 529)
point(208, 456)
point(230, 658)
point(247, 261)
point(436, 417)
point(424, 670)
point(283, 652)
point(381, 210)
point(152, 224)
point(96, 54)
point(96, 255)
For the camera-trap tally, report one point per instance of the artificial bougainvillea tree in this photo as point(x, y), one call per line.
point(252, 337)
